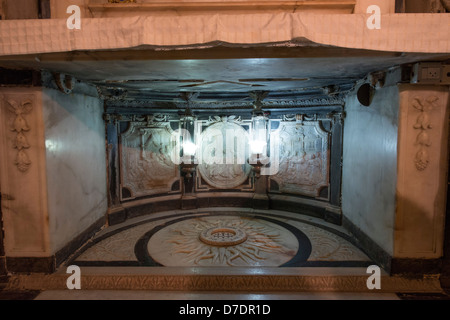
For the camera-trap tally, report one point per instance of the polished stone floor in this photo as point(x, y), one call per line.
point(220, 237)
point(220, 254)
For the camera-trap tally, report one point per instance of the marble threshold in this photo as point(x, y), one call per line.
point(238, 281)
point(212, 296)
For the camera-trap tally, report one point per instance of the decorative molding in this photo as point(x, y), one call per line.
point(149, 120)
point(423, 125)
point(20, 126)
point(120, 101)
point(121, 1)
point(343, 6)
point(217, 119)
point(236, 283)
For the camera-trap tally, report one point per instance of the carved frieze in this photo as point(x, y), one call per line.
point(224, 150)
point(304, 158)
point(20, 126)
point(146, 164)
point(227, 282)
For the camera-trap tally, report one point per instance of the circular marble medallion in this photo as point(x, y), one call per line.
point(224, 150)
point(224, 241)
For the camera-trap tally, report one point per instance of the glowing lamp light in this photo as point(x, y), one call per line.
point(257, 146)
point(189, 148)
point(258, 140)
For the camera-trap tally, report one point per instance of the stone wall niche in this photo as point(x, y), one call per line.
point(422, 172)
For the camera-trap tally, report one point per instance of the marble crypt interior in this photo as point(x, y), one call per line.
point(225, 146)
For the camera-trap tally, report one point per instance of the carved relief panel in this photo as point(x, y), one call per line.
point(422, 171)
point(224, 149)
point(20, 127)
point(304, 159)
point(22, 164)
point(145, 160)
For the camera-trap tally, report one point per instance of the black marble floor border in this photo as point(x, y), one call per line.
point(303, 264)
point(95, 241)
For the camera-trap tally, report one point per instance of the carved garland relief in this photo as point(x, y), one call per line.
point(20, 126)
point(423, 125)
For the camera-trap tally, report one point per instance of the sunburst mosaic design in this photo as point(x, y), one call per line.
point(223, 241)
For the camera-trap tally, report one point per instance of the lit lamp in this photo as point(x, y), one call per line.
point(188, 165)
point(189, 148)
point(258, 140)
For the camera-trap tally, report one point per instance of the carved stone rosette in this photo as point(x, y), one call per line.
point(423, 125)
point(20, 126)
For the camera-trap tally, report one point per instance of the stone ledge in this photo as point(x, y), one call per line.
point(234, 283)
point(342, 6)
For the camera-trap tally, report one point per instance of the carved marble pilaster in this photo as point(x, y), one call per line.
point(422, 171)
point(424, 105)
point(22, 173)
point(20, 127)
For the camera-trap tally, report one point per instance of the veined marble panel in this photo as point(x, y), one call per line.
point(304, 158)
point(146, 165)
point(75, 163)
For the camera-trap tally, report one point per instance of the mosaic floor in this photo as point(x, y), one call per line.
point(222, 238)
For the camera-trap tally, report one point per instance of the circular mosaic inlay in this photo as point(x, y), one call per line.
point(223, 241)
point(223, 237)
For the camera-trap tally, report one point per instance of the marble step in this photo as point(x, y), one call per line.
point(221, 279)
point(209, 296)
